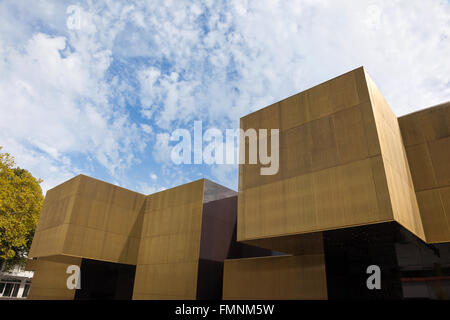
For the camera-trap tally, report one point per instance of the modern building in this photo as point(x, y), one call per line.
point(361, 186)
point(356, 188)
point(15, 282)
point(168, 245)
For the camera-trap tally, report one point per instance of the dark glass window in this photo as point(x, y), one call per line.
point(16, 290)
point(25, 291)
point(8, 289)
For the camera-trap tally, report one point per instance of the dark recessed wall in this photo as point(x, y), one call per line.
point(105, 281)
point(348, 253)
point(218, 242)
point(409, 266)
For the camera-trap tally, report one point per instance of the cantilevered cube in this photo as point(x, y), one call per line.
point(342, 164)
point(89, 218)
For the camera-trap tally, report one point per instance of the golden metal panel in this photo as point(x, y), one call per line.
point(426, 125)
point(73, 243)
point(93, 242)
point(435, 218)
point(166, 281)
point(426, 135)
point(294, 111)
point(270, 201)
point(359, 194)
point(269, 117)
point(440, 157)
point(403, 200)
point(329, 199)
point(324, 150)
point(293, 161)
point(115, 248)
point(50, 279)
point(348, 128)
point(344, 91)
point(169, 247)
point(348, 195)
point(370, 129)
point(89, 218)
point(277, 277)
point(381, 188)
point(299, 193)
point(252, 222)
point(421, 167)
point(55, 214)
point(48, 242)
point(320, 101)
point(161, 222)
point(305, 120)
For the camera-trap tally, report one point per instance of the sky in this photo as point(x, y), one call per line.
point(98, 87)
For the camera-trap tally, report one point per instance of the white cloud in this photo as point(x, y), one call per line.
point(258, 52)
point(278, 48)
point(227, 174)
point(181, 61)
point(57, 106)
point(149, 188)
point(146, 128)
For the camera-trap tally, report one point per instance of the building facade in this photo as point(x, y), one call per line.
point(14, 283)
point(366, 188)
point(356, 188)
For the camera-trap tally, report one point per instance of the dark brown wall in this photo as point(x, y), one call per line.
point(218, 242)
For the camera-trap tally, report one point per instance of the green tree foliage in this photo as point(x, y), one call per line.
point(20, 204)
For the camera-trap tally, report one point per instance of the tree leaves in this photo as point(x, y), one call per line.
point(20, 205)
